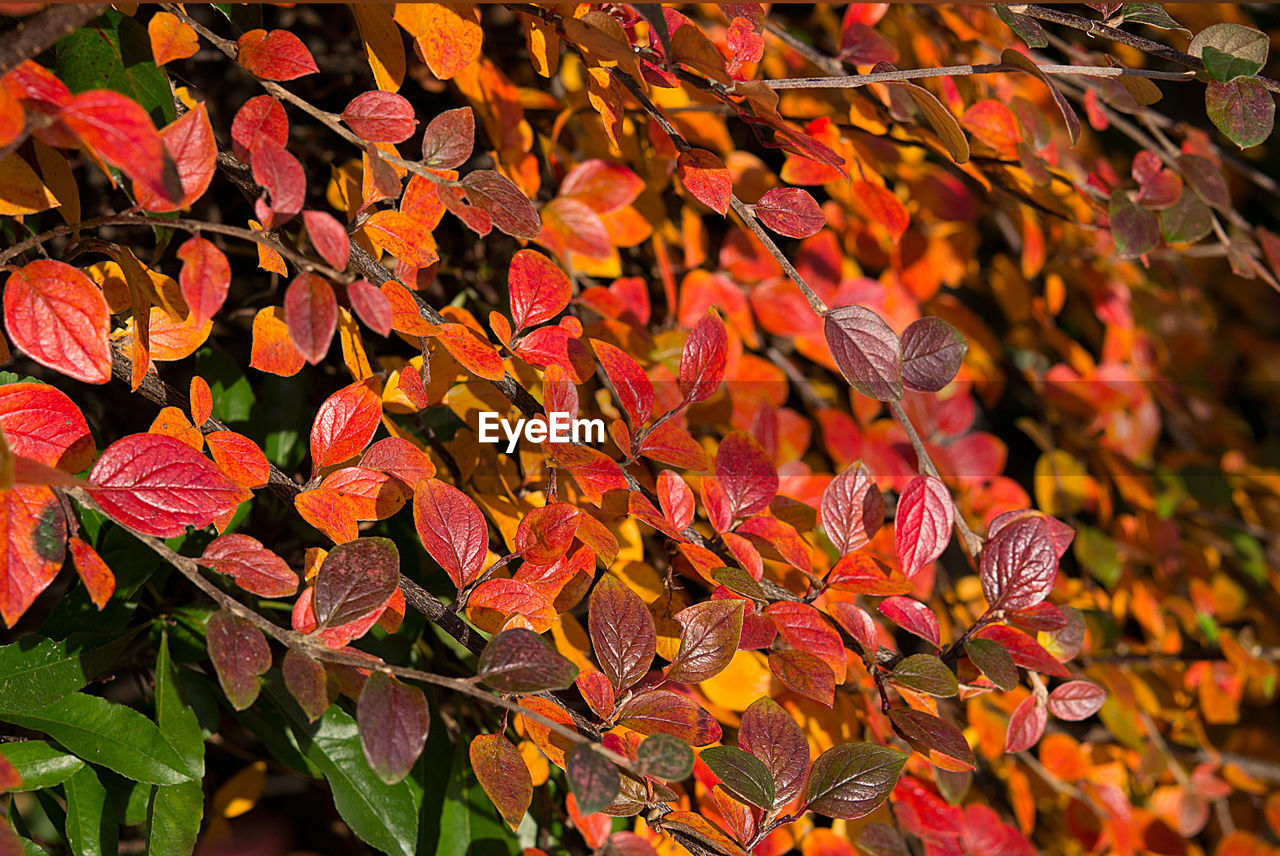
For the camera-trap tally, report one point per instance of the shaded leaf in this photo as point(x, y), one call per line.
point(1076, 700)
point(866, 350)
point(393, 722)
point(240, 656)
point(742, 774)
point(593, 779)
point(623, 636)
point(932, 352)
point(356, 579)
point(926, 673)
point(521, 661)
point(665, 757)
point(852, 780)
point(504, 775)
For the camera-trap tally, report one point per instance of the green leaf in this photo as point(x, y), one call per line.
point(113, 735)
point(1151, 14)
point(1027, 29)
point(742, 774)
point(1243, 110)
point(173, 819)
point(1230, 51)
point(35, 672)
point(994, 661)
point(176, 718)
point(92, 827)
point(469, 822)
point(1187, 220)
point(853, 779)
point(665, 757)
point(383, 816)
point(593, 779)
point(1134, 230)
point(740, 582)
point(40, 764)
point(233, 398)
point(926, 673)
point(114, 52)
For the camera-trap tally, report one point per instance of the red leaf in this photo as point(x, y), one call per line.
point(449, 139)
point(58, 317)
point(307, 682)
point(345, 424)
point(623, 636)
point(41, 423)
point(676, 499)
point(632, 385)
point(372, 306)
point(747, 476)
point(539, 289)
point(602, 185)
point(597, 691)
point(1059, 532)
point(881, 206)
point(805, 629)
point(804, 674)
point(860, 573)
point(706, 178)
point(122, 134)
point(666, 712)
point(1025, 651)
point(190, 142)
point(768, 732)
point(781, 537)
point(1019, 565)
point(790, 211)
point(504, 775)
point(559, 393)
point(393, 721)
point(311, 312)
point(702, 362)
point(866, 350)
point(494, 602)
point(922, 523)
point(544, 534)
point(500, 198)
point(709, 634)
point(356, 580)
point(912, 616)
point(158, 485)
point(261, 121)
point(380, 117)
point(932, 352)
point(240, 656)
point(858, 623)
point(1026, 725)
point(94, 573)
point(330, 239)
point(283, 178)
point(852, 509)
point(205, 278)
point(452, 529)
point(399, 459)
point(32, 534)
point(1076, 700)
point(277, 55)
point(254, 568)
point(671, 444)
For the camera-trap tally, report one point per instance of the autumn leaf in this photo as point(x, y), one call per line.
point(275, 55)
point(57, 316)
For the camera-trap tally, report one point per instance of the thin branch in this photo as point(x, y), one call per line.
point(852, 81)
point(972, 543)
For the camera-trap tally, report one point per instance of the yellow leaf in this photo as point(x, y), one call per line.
point(21, 190)
point(382, 43)
point(241, 792)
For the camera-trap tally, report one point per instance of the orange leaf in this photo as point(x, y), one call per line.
point(240, 458)
point(201, 401)
point(97, 577)
point(405, 237)
point(273, 350)
point(476, 355)
point(448, 36)
point(170, 38)
point(345, 423)
point(172, 422)
point(881, 206)
point(328, 511)
point(706, 178)
point(28, 563)
point(277, 55)
point(494, 601)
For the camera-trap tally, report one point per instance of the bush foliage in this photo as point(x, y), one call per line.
point(934, 501)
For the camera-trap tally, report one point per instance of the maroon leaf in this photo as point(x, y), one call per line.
point(665, 757)
point(521, 661)
point(1243, 109)
point(922, 524)
point(1134, 229)
point(504, 202)
point(380, 117)
point(1019, 565)
point(1026, 725)
point(932, 351)
point(240, 656)
point(593, 779)
point(912, 616)
point(804, 674)
point(1076, 700)
point(307, 682)
point(356, 579)
point(1059, 532)
point(251, 565)
point(926, 732)
point(665, 712)
point(790, 211)
point(768, 732)
point(504, 775)
point(746, 474)
point(449, 139)
point(393, 720)
point(623, 634)
point(702, 361)
point(852, 509)
point(866, 350)
point(709, 637)
point(852, 780)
